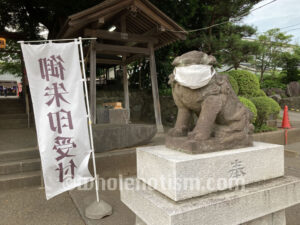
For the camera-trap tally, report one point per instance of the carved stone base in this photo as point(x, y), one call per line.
point(258, 204)
point(182, 176)
point(186, 145)
point(277, 218)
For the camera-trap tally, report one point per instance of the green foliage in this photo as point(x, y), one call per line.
point(237, 50)
point(259, 93)
point(248, 104)
point(234, 84)
point(273, 82)
point(265, 107)
point(10, 61)
point(290, 62)
point(26, 17)
point(248, 83)
point(264, 128)
point(165, 92)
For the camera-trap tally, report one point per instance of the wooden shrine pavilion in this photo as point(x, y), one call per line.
point(126, 30)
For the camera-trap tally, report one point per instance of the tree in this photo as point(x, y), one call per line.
point(236, 50)
point(10, 59)
point(194, 14)
point(290, 63)
point(271, 46)
point(27, 18)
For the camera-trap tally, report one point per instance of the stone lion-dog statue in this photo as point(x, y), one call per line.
point(223, 122)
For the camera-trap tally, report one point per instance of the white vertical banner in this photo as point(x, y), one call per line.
point(56, 88)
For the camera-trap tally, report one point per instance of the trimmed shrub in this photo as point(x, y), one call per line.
point(248, 82)
point(265, 107)
point(259, 93)
point(249, 105)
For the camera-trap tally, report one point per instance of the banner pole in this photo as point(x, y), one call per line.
point(89, 118)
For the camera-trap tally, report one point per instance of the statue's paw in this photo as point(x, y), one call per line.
point(191, 135)
point(175, 132)
point(198, 136)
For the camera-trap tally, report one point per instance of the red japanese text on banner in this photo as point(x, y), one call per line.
point(56, 88)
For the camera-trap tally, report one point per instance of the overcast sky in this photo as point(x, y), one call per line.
point(281, 13)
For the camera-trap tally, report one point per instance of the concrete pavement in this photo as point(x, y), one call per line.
point(29, 207)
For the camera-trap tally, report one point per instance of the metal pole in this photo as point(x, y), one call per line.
point(89, 118)
point(69, 39)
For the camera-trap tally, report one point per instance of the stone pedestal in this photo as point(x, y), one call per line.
point(227, 208)
point(181, 176)
point(118, 116)
point(277, 218)
point(112, 116)
point(162, 193)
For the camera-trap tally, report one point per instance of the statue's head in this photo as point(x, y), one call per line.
point(194, 58)
point(193, 69)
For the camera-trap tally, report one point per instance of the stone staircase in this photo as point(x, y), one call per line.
point(19, 168)
point(13, 114)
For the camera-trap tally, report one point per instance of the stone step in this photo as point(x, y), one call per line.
point(14, 123)
point(21, 166)
point(11, 110)
point(12, 105)
point(13, 116)
point(20, 180)
point(20, 154)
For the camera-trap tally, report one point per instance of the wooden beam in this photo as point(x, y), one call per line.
point(88, 18)
point(101, 20)
point(122, 49)
point(13, 35)
point(119, 36)
point(109, 61)
point(134, 58)
point(93, 93)
point(155, 92)
point(157, 18)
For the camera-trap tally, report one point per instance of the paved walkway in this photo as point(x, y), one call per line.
point(293, 115)
point(29, 207)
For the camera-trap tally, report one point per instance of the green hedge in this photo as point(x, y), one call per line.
point(259, 93)
point(250, 106)
point(265, 107)
point(248, 83)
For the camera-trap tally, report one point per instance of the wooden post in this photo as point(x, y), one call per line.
point(155, 92)
point(25, 91)
point(125, 87)
point(115, 72)
point(125, 79)
point(93, 81)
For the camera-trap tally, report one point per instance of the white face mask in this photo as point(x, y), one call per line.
point(194, 76)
